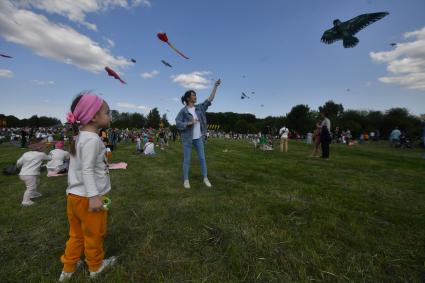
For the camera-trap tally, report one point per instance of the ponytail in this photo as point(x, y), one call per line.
point(75, 126)
point(186, 96)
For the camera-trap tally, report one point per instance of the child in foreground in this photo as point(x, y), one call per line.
point(88, 182)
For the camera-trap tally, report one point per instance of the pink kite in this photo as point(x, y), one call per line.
point(114, 74)
point(163, 37)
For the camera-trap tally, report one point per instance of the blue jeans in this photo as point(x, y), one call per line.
point(187, 151)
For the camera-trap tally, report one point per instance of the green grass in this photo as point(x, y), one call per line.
point(270, 217)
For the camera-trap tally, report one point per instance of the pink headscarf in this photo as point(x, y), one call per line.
point(85, 110)
point(59, 145)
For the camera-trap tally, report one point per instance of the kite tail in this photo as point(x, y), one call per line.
point(123, 82)
point(175, 49)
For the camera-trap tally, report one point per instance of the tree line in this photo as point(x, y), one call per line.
point(33, 122)
point(301, 119)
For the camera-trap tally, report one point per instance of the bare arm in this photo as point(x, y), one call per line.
point(212, 95)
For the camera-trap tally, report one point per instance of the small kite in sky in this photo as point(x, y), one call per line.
point(252, 92)
point(393, 44)
point(133, 60)
point(5, 56)
point(345, 31)
point(262, 105)
point(166, 63)
point(244, 96)
point(114, 74)
point(163, 37)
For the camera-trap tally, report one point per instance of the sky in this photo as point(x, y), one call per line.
point(272, 48)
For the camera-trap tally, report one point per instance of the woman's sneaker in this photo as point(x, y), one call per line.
point(186, 184)
point(207, 182)
point(105, 264)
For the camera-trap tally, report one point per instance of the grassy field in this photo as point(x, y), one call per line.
point(270, 217)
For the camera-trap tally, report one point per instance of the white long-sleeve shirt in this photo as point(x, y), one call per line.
point(88, 173)
point(30, 163)
point(58, 156)
point(149, 148)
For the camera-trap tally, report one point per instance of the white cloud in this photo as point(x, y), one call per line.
point(405, 63)
point(57, 42)
point(109, 41)
point(6, 73)
point(146, 3)
point(194, 80)
point(76, 10)
point(144, 108)
point(149, 75)
point(42, 83)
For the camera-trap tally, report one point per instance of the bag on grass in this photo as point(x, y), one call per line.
point(10, 170)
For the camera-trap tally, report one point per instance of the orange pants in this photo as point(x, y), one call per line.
point(86, 234)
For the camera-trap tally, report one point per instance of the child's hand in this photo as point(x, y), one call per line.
point(95, 204)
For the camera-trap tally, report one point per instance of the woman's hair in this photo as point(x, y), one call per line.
point(187, 95)
point(75, 126)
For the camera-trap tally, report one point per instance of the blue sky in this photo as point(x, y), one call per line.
point(61, 47)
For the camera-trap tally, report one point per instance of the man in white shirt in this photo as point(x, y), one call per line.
point(30, 163)
point(283, 133)
point(325, 134)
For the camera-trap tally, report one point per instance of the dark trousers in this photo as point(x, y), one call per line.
point(325, 149)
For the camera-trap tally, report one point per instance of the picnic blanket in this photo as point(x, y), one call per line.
point(120, 165)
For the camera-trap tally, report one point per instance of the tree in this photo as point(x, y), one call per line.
point(300, 119)
point(164, 121)
point(242, 126)
point(332, 109)
point(153, 118)
point(12, 121)
point(33, 121)
point(400, 117)
point(137, 120)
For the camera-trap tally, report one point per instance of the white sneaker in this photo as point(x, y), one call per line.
point(27, 203)
point(207, 182)
point(105, 264)
point(67, 275)
point(36, 195)
point(186, 184)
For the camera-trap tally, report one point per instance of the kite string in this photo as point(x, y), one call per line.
point(175, 49)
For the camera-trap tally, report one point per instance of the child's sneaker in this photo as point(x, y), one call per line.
point(207, 182)
point(186, 184)
point(27, 203)
point(105, 264)
point(67, 275)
